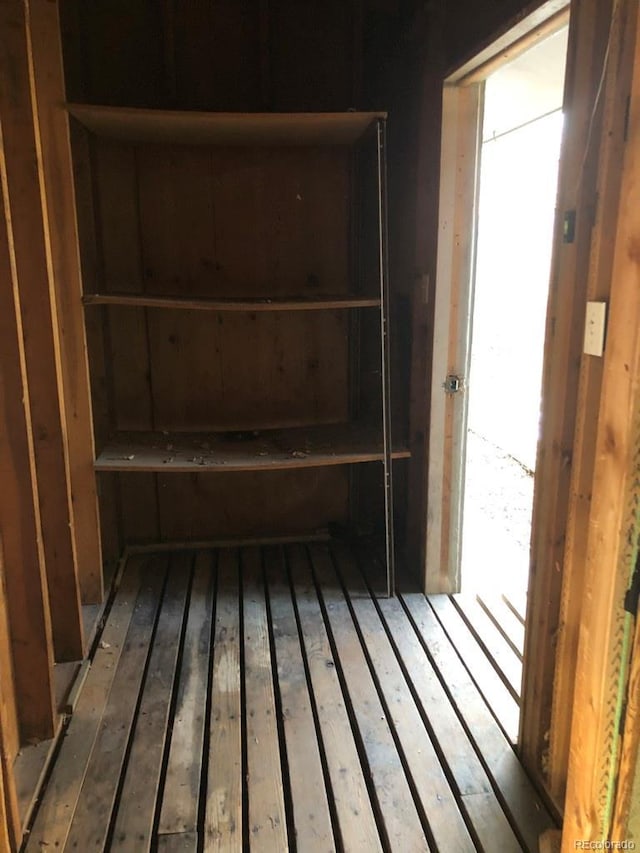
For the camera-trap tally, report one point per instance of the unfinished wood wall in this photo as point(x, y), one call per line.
point(50, 559)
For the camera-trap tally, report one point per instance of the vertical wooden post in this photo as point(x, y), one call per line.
point(10, 829)
point(35, 303)
point(27, 598)
point(61, 234)
point(8, 711)
point(8, 839)
point(614, 524)
point(428, 117)
point(615, 93)
point(588, 36)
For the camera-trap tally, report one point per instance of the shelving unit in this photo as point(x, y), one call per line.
point(235, 281)
point(339, 444)
point(229, 129)
point(142, 300)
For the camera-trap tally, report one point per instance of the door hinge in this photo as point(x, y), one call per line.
point(453, 384)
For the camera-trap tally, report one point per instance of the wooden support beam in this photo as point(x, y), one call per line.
point(588, 37)
point(31, 262)
point(24, 575)
point(8, 838)
point(8, 710)
point(10, 829)
point(615, 93)
point(428, 117)
point(605, 639)
point(61, 234)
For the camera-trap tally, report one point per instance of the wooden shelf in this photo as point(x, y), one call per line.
point(293, 303)
point(300, 447)
point(229, 129)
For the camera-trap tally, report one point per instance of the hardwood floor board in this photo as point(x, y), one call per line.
point(490, 824)
point(526, 812)
point(223, 828)
point(485, 814)
point(137, 801)
point(505, 620)
point(498, 651)
point(355, 812)
point(401, 820)
point(497, 695)
point(517, 603)
point(179, 812)
point(433, 791)
point(262, 699)
point(30, 769)
point(53, 820)
point(267, 818)
point(91, 820)
point(180, 842)
point(310, 803)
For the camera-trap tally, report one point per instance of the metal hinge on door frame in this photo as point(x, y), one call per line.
point(453, 384)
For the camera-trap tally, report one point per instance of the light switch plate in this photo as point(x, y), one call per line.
point(594, 328)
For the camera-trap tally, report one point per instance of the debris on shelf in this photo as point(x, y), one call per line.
point(198, 460)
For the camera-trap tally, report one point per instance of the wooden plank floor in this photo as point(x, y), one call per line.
point(261, 699)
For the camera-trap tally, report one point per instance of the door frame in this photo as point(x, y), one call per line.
point(577, 655)
point(462, 110)
point(462, 107)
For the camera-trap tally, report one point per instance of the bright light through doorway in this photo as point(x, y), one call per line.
point(518, 179)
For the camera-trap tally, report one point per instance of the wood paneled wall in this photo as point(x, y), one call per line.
point(233, 55)
point(154, 370)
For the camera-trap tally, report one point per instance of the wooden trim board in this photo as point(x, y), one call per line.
point(462, 108)
point(547, 19)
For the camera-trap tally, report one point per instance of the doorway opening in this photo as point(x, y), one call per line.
point(499, 163)
point(521, 135)
point(518, 172)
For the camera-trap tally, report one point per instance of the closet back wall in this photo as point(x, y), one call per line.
point(185, 220)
